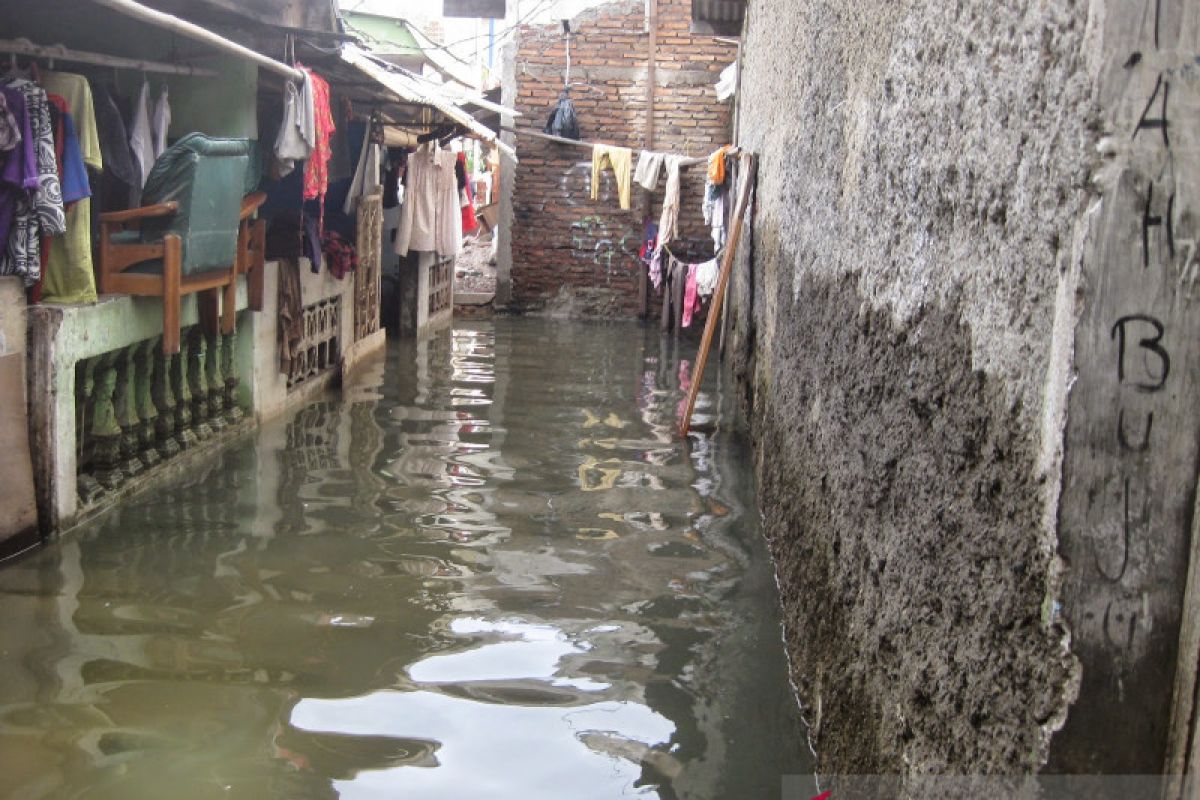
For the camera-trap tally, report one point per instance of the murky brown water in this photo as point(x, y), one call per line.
point(490, 571)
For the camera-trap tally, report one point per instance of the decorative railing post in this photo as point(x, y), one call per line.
point(105, 431)
point(164, 401)
point(214, 383)
point(125, 408)
point(87, 487)
point(197, 383)
point(144, 364)
point(233, 412)
point(184, 435)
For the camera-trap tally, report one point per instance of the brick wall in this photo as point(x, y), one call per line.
point(561, 237)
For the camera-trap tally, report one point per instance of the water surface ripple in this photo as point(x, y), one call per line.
point(489, 569)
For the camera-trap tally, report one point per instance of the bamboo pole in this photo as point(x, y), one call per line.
point(747, 171)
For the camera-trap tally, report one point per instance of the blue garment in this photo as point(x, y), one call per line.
point(75, 184)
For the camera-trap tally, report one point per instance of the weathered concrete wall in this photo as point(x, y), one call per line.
point(18, 508)
point(935, 237)
point(560, 236)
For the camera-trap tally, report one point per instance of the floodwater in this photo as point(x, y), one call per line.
point(489, 569)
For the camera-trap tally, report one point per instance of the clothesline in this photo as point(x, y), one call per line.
point(684, 161)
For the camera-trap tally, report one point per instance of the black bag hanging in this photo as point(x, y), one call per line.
point(562, 121)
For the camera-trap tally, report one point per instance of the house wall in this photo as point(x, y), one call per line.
point(562, 240)
point(955, 266)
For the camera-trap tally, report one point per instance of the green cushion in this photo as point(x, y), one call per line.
point(207, 178)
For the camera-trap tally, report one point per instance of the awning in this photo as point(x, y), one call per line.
point(410, 88)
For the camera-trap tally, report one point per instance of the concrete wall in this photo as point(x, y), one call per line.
point(18, 508)
point(560, 236)
point(948, 236)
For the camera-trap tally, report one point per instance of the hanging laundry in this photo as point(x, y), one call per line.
point(669, 221)
point(716, 164)
point(18, 175)
point(298, 132)
point(674, 287)
point(10, 133)
point(114, 140)
point(77, 92)
point(339, 254)
point(466, 198)
point(161, 122)
point(706, 277)
point(713, 209)
point(431, 217)
point(40, 212)
point(316, 169)
point(691, 297)
point(648, 167)
point(72, 172)
point(141, 140)
point(621, 161)
point(68, 276)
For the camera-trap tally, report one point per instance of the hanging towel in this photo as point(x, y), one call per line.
point(141, 140)
point(649, 165)
point(621, 161)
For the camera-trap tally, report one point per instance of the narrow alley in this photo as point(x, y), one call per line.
point(678, 399)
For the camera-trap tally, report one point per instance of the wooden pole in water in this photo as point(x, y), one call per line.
point(747, 172)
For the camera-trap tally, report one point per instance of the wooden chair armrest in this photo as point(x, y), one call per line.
point(251, 203)
point(145, 212)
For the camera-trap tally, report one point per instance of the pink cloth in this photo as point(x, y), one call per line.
point(691, 297)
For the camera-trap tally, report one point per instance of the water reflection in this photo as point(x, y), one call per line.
point(490, 569)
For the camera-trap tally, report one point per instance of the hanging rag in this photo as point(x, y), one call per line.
point(621, 161)
point(141, 140)
point(648, 166)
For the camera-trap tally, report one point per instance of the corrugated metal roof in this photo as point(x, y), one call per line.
point(413, 89)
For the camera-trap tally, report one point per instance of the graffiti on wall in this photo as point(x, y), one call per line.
point(610, 242)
